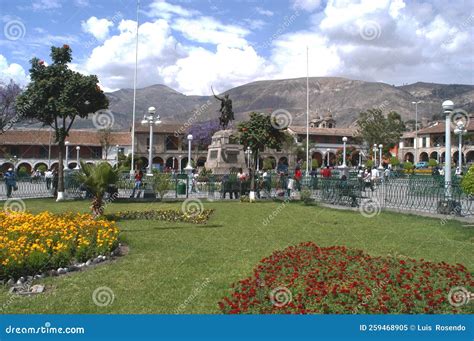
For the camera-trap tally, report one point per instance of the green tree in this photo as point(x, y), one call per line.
point(408, 166)
point(161, 183)
point(97, 179)
point(432, 163)
point(394, 161)
point(467, 182)
point(374, 128)
point(56, 96)
point(260, 132)
point(314, 164)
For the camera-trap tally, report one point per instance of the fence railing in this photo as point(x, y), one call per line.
point(414, 193)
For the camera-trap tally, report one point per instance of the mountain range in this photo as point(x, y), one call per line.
point(343, 98)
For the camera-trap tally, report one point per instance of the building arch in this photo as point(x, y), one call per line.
point(424, 156)
point(201, 161)
point(5, 166)
point(317, 156)
point(409, 157)
point(38, 164)
point(25, 164)
point(470, 156)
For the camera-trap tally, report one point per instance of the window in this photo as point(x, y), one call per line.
point(171, 142)
point(43, 152)
point(96, 152)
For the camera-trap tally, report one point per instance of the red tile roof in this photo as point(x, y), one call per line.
point(76, 137)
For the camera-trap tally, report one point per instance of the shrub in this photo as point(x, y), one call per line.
point(30, 243)
point(161, 183)
point(306, 197)
point(432, 163)
point(41, 168)
point(394, 161)
point(467, 183)
point(201, 216)
point(314, 164)
point(307, 279)
point(23, 171)
point(244, 198)
point(369, 163)
point(408, 166)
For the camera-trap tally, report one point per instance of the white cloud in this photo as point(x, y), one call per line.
point(82, 3)
point(211, 31)
point(40, 5)
point(307, 5)
point(99, 28)
point(264, 11)
point(12, 71)
point(225, 68)
point(165, 10)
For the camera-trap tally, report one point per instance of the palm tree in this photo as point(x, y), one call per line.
point(97, 179)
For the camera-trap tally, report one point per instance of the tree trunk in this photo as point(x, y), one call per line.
point(60, 171)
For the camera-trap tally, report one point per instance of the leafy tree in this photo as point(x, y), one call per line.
point(408, 166)
point(314, 164)
point(374, 128)
point(106, 140)
point(97, 179)
point(8, 114)
point(56, 96)
point(268, 164)
point(467, 182)
point(394, 161)
point(258, 133)
point(432, 163)
point(369, 163)
point(161, 183)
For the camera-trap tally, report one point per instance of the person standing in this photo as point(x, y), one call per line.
point(48, 175)
point(138, 182)
point(10, 182)
point(298, 176)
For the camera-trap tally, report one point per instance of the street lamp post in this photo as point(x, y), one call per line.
point(344, 141)
point(448, 107)
point(179, 165)
point(327, 152)
point(375, 154)
point(189, 167)
point(77, 157)
point(248, 152)
point(460, 130)
point(380, 156)
point(117, 148)
point(150, 120)
point(67, 154)
point(416, 130)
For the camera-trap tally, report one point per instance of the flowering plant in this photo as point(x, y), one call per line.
point(34, 242)
point(307, 279)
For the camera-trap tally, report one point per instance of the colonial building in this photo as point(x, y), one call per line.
point(432, 145)
point(35, 147)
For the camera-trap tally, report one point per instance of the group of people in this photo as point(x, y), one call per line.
point(50, 176)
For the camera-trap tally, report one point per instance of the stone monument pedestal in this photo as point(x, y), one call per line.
point(224, 153)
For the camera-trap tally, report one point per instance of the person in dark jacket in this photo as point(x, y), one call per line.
point(10, 181)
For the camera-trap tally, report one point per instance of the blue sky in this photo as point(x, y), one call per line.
point(191, 45)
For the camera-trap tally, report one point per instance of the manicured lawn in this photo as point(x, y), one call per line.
point(179, 267)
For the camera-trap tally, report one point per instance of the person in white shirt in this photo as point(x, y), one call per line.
point(49, 177)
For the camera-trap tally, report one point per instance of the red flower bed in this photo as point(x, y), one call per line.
point(307, 279)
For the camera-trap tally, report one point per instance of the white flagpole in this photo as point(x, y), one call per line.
point(307, 111)
point(132, 166)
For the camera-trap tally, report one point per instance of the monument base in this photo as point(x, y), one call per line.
point(225, 154)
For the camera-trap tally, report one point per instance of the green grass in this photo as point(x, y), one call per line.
point(170, 264)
